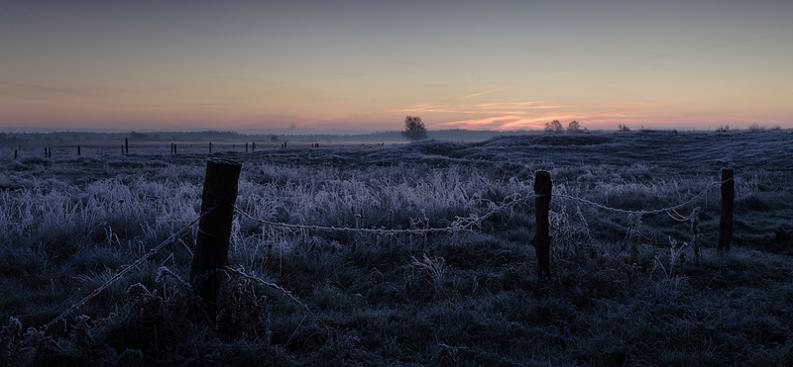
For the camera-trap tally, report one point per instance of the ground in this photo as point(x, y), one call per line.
point(626, 289)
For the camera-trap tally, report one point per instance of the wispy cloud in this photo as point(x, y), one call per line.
point(516, 115)
point(526, 105)
point(509, 108)
point(523, 121)
point(483, 92)
point(426, 107)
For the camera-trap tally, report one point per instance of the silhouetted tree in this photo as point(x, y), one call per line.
point(414, 128)
point(553, 126)
point(574, 127)
point(623, 128)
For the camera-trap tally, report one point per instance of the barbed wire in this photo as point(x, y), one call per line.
point(241, 273)
point(466, 223)
point(641, 212)
point(676, 216)
point(121, 274)
point(460, 224)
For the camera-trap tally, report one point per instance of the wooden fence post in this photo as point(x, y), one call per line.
point(78, 150)
point(253, 147)
point(214, 229)
point(210, 147)
point(542, 239)
point(246, 147)
point(727, 207)
point(16, 154)
point(126, 146)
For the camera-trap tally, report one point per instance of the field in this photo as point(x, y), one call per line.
point(627, 289)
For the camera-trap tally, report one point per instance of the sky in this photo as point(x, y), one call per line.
point(350, 66)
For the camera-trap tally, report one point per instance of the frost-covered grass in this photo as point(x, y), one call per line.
point(627, 290)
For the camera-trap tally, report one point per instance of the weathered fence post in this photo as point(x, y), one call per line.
point(210, 147)
point(542, 239)
point(727, 207)
point(253, 147)
point(246, 147)
point(16, 154)
point(126, 146)
point(214, 229)
point(78, 150)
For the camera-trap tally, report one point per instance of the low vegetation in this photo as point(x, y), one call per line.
point(626, 290)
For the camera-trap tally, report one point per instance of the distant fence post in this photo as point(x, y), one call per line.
point(246, 147)
point(727, 207)
point(214, 229)
point(542, 239)
point(253, 147)
point(78, 150)
point(126, 146)
point(16, 154)
point(210, 147)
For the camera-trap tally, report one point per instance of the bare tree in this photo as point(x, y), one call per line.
point(553, 126)
point(414, 128)
point(574, 127)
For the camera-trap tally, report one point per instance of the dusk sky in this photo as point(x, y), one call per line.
point(363, 65)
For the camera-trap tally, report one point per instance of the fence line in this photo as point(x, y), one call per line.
point(638, 212)
point(120, 274)
point(460, 224)
point(466, 223)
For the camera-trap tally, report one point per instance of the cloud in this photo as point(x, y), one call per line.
point(527, 105)
point(522, 122)
point(506, 108)
point(518, 115)
point(427, 107)
point(483, 93)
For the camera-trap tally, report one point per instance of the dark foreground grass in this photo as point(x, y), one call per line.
point(486, 308)
point(620, 294)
